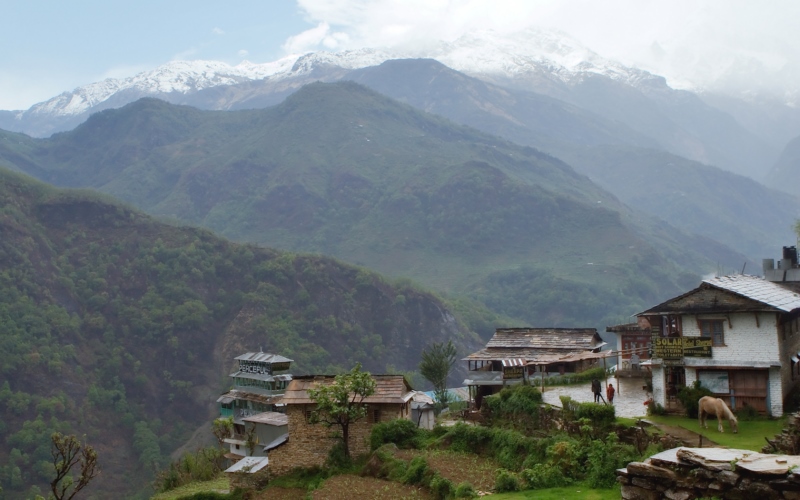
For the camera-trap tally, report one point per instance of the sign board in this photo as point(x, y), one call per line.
point(510, 372)
point(668, 348)
point(677, 348)
point(697, 347)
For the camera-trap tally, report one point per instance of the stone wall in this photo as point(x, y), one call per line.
point(309, 444)
point(690, 473)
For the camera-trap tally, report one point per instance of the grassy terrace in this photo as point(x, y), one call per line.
point(750, 437)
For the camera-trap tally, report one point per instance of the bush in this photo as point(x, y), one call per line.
point(654, 408)
point(508, 447)
point(601, 416)
point(415, 474)
point(689, 397)
point(517, 406)
point(544, 476)
point(441, 487)
point(465, 490)
point(506, 481)
point(604, 458)
point(402, 432)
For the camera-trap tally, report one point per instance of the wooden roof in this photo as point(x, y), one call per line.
point(532, 344)
point(388, 389)
point(737, 293)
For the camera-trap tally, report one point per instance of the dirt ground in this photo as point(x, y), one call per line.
point(347, 487)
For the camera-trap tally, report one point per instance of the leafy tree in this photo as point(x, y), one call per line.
point(222, 429)
point(435, 367)
point(68, 452)
point(342, 402)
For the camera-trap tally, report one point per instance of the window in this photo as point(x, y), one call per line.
point(375, 416)
point(713, 328)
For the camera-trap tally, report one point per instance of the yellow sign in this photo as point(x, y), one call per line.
point(674, 348)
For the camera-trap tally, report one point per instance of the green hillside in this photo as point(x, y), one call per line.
point(341, 170)
point(122, 328)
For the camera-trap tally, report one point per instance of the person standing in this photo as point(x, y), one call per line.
point(596, 390)
point(610, 393)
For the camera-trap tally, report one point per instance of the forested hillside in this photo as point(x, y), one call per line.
point(341, 170)
point(122, 328)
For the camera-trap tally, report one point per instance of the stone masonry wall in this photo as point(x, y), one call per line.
point(309, 444)
point(691, 473)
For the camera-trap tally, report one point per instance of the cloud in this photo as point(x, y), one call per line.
point(217, 31)
point(243, 53)
point(703, 42)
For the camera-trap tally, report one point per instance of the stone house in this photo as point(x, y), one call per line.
point(262, 432)
point(308, 444)
point(738, 335)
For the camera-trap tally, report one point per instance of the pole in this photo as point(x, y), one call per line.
point(541, 367)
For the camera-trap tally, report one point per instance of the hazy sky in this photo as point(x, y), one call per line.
point(51, 47)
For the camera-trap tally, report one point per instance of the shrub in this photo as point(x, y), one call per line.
point(465, 490)
point(508, 447)
point(506, 481)
point(402, 432)
point(575, 378)
point(689, 397)
point(654, 408)
point(747, 413)
point(604, 458)
point(441, 487)
point(600, 415)
point(415, 474)
point(544, 476)
point(517, 406)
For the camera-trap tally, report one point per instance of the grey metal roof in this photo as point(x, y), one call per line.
point(269, 418)
point(225, 399)
point(253, 464)
point(756, 288)
point(483, 378)
point(263, 357)
point(262, 376)
point(277, 441)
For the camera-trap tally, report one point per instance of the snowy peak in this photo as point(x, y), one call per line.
point(177, 76)
point(478, 53)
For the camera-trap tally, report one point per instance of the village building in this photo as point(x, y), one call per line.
point(309, 444)
point(738, 335)
point(633, 349)
point(258, 384)
point(514, 355)
point(262, 432)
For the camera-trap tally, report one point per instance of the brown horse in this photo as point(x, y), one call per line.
point(715, 406)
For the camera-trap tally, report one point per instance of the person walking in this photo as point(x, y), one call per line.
point(610, 393)
point(596, 390)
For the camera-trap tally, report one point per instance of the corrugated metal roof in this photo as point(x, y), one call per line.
point(277, 442)
point(263, 357)
point(756, 288)
point(262, 376)
point(268, 418)
point(225, 399)
point(249, 465)
point(388, 389)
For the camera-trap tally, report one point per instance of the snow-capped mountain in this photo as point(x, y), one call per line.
point(481, 53)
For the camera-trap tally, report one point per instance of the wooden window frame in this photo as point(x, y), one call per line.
point(707, 330)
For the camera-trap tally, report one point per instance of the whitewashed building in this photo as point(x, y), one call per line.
point(738, 335)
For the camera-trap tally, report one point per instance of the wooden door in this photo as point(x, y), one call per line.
point(748, 388)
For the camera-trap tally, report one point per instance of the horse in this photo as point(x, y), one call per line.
point(714, 406)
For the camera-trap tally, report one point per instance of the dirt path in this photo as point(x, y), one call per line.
point(689, 438)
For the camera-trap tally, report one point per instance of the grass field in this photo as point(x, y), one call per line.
point(565, 493)
point(220, 485)
point(750, 437)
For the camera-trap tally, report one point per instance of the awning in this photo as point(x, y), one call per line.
point(513, 362)
point(226, 400)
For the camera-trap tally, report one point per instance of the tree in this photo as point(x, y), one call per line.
point(342, 402)
point(68, 452)
point(435, 367)
point(222, 429)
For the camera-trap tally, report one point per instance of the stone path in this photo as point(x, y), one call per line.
point(629, 399)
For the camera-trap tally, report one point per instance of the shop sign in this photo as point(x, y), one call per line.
point(676, 348)
point(510, 372)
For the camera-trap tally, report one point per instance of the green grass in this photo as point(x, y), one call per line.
point(750, 437)
point(219, 485)
point(567, 492)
